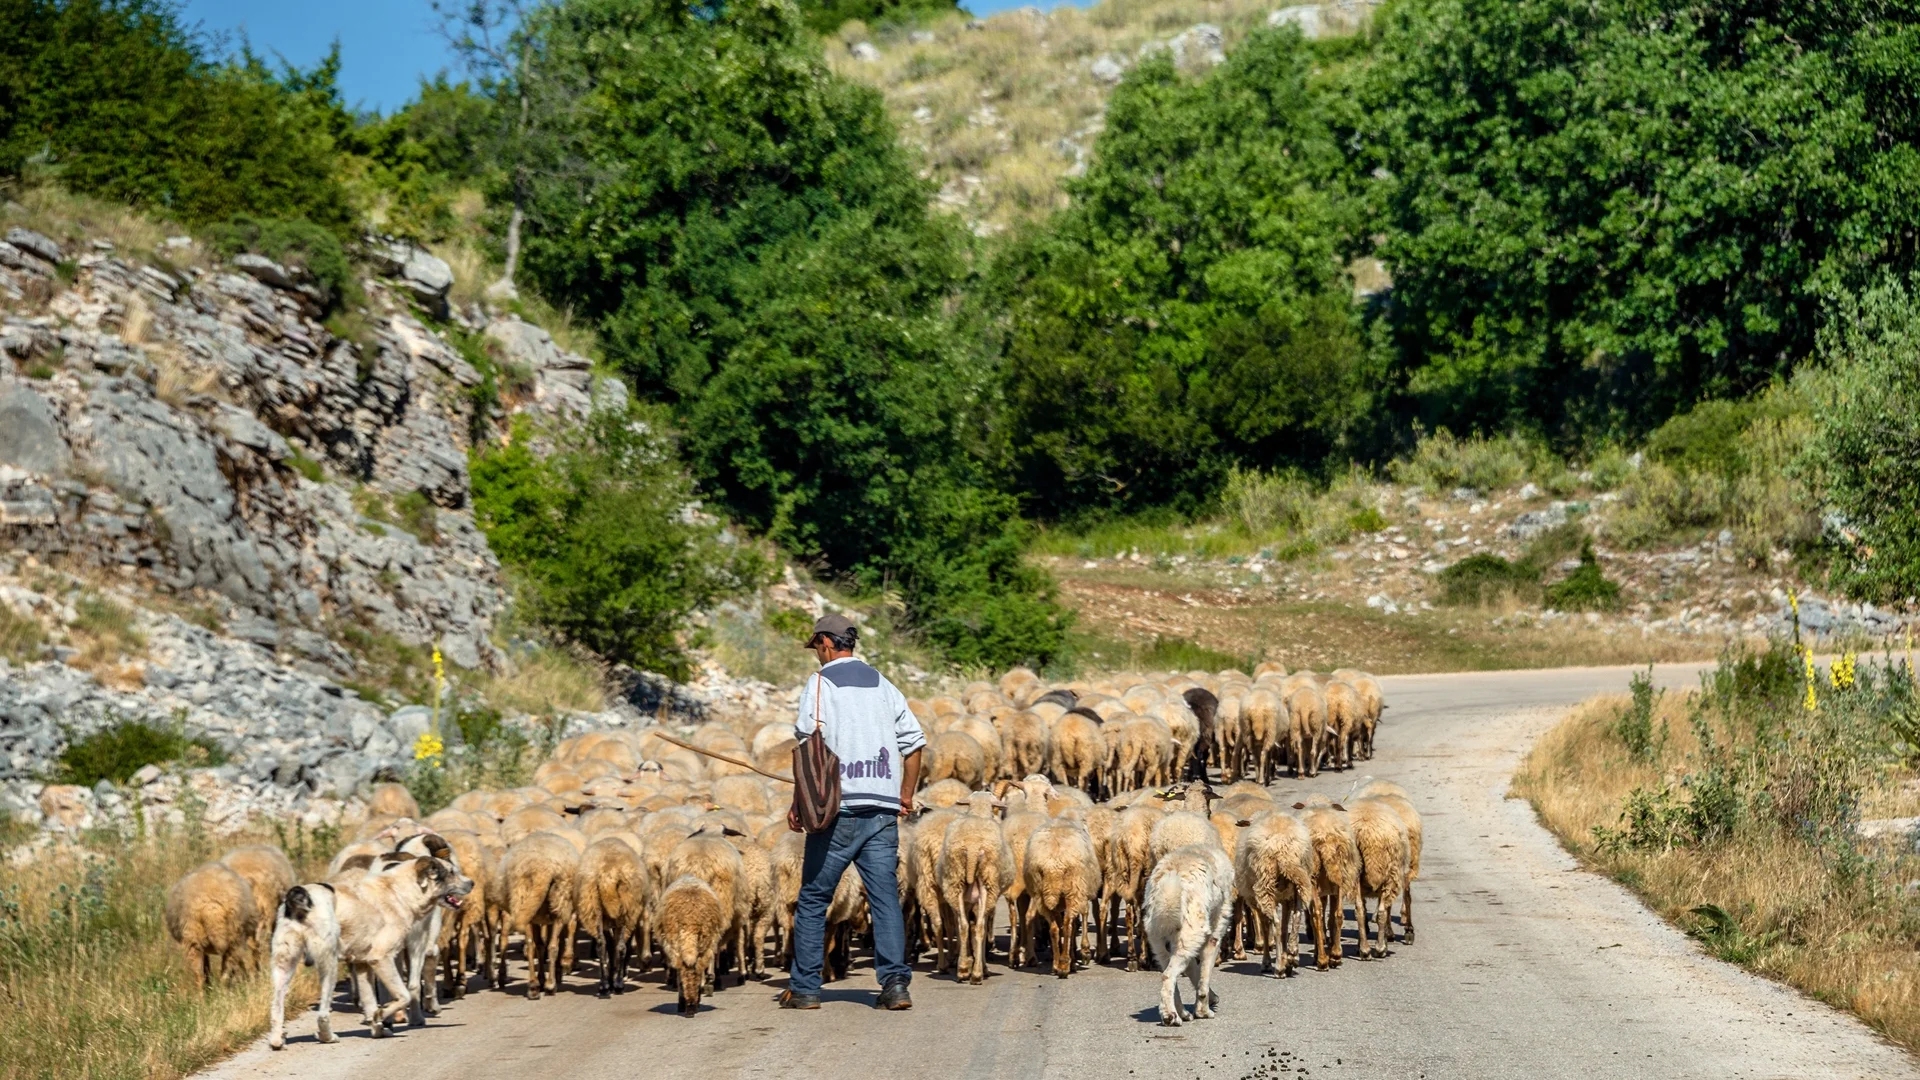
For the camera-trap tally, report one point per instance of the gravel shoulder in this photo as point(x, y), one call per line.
point(1526, 966)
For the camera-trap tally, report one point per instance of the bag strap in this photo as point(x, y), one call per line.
point(819, 691)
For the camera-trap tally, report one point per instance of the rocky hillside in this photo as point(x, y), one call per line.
point(1004, 109)
point(214, 500)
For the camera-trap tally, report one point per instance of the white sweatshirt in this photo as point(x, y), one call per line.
point(867, 726)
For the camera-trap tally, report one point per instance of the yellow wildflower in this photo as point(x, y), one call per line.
point(428, 747)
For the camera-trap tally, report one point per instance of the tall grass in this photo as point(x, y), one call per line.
point(1732, 812)
point(94, 988)
point(1269, 515)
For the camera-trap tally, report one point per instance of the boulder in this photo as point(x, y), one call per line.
point(865, 51)
point(1308, 17)
point(33, 243)
point(30, 436)
point(1107, 69)
point(1201, 43)
point(408, 723)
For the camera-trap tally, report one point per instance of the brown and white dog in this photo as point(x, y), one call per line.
point(364, 921)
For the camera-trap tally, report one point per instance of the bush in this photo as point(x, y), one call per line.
point(603, 536)
point(125, 747)
point(1441, 462)
point(1864, 457)
point(299, 245)
point(120, 100)
point(1586, 588)
point(1483, 578)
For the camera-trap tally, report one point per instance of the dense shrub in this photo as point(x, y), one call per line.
point(120, 100)
point(1865, 452)
point(299, 244)
point(1598, 213)
point(600, 532)
point(1187, 312)
point(826, 16)
point(118, 751)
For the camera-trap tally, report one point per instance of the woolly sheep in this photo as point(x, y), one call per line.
point(540, 869)
point(1274, 870)
point(211, 913)
point(268, 875)
point(610, 900)
point(1078, 750)
point(1392, 795)
point(394, 799)
point(1337, 877)
point(691, 923)
point(1381, 837)
point(1023, 740)
point(975, 867)
point(955, 755)
point(1062, 880)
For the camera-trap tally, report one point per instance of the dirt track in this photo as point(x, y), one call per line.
point(1525, 967)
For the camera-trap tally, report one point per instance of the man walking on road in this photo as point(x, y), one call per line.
point(866, 724)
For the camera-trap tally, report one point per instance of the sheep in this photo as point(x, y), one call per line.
point(1307, 720)
point(708, 856)
point(529, 820)
point(1263, 719)
point(923, 848)
point(269, 875)
point(1337, 877)
point(1344, 708)
point(1124, 877)
point(473, 916)
point(943, 793)
point(1372, 703)
point(1185, 730)
point(393, 799)
point(1394, 796)
point(1078, 749)
point(1017, 681)
point(955, 754)
point(975, 867)
point(846, 910)
point(1023, 740)
point(1026, 813)
point(1381, 836)
point(691, 922)
point(756, 869)
point(540, 869)
point(1187, 910)
point(786, 859)
point(1181, 829)
point(1274, 871)
point(211, 913)
point(610, 900)
point(1146, 752)
point(988, 737)
point(1062, 879)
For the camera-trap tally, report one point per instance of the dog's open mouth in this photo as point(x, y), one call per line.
point(452, 900)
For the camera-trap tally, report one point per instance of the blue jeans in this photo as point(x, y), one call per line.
point(870, 840)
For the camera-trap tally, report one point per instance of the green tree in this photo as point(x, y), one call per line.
point(1188, 311)
point(756, 251)
point(594, 522)
point(826, 16)
point(1864, 457)
point(1598, 213)
point(120, 101)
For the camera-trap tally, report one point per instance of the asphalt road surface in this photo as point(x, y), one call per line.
point(1525, 967)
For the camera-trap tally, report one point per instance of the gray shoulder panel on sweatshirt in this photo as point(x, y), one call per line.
point(851, 673)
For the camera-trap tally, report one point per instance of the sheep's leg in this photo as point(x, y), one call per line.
point(1383, 914)
point(566, 965)
point(559, 954)
point(1406, 913)
point(1317, 919)
point(1133, 934)
point(536, 950)
point(197, 966)
point(980, 941)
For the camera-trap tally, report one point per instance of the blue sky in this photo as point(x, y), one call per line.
point(386, 46)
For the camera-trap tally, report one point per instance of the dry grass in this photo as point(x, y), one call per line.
point(94, 988)
point(76, 220)
point(546, 682)
point(109, 641)
point(1002, 113)
point(1836, 926)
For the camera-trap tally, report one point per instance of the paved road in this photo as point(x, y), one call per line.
point(1525, 967)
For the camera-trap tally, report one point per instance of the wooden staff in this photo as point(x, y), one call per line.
point(718, 756)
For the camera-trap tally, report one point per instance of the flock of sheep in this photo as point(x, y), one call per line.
point(642, 847)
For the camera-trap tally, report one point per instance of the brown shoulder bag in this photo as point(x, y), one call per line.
point(816, 774)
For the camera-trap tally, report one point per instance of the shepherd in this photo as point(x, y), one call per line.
point(865, 722)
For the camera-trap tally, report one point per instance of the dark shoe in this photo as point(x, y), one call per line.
point(894, 997)
point(791, 1000)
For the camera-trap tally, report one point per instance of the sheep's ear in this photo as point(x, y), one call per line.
point(1340, 808)
point(726, 831)
point(1244, 822)
point(1299, 806)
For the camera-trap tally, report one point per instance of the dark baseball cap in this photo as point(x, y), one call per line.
point(837, 625)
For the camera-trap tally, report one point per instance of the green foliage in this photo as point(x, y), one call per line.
point(1187, 312)
point(1586, 588)
point(762, 260)
point(125, 747)
point(1179, 654)
point(1634, 724)
point(1865, 452)
point(1442, 462)
point(411, 511)
point(295, 244)
point(1598, 213)
point(1483, 578)
point(121, 100)
point(1723, 935)
point(307, 467)
point(826, 16)
point(406, 169)
point(598, 533)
